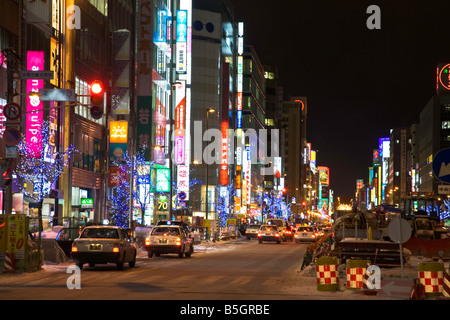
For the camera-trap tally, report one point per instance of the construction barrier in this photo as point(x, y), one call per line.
point(446, 286)
point(9, 265)
point(431, 276)
point(327, 274)
point(355, 273)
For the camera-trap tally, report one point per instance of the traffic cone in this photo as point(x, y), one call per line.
point(10, 264)
point(417, 291)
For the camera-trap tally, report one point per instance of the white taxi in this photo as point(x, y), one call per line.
point(269, 232)
point(104, 244)
point(169, 239)
point(305, 233)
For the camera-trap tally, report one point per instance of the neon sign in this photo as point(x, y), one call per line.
point(34, 119)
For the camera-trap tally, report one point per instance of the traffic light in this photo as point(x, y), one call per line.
point(97, 93)
point(284, 191)
point(6, 177)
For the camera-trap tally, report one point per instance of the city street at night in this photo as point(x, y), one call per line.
point(190, 151)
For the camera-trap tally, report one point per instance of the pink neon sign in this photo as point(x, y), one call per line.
point(33, 138)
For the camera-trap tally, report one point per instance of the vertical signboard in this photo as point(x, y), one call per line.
point(183, 180)
point(225, 121)
point(34, 117)
point(118, 137)
point(16, 235)
point(181, 40)
point(239, 147)
point(144, 125)
point(180, 125)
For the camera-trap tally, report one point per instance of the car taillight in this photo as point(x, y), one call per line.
point(259, 234)
point(147, 241)
point(277, 234)
point(116, 249)
point(178, 242)
point(74, 249)
point(296, 236)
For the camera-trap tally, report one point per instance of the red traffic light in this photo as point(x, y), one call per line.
point(97, 92)
point(6, 177)
point(284, 190)
point(304, 203)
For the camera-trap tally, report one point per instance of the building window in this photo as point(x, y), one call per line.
point(445, 125)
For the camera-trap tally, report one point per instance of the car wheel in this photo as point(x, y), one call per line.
point(248, 238)
point(132, 263)
point(80, 265)
point(191, 250)
point(149, 254)
point(91, 264)
point(119, 265)
point(260, 241)
point(180, 255)
point(278, 242)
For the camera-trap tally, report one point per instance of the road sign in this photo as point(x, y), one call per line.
point(57, 95)
point(12, 111)
point(182, 195)
point(441, 165)
point(11, 137)
point(443, 189)
point(41, 74)
point(399, 233)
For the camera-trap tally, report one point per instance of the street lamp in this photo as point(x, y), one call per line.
point(208, 111)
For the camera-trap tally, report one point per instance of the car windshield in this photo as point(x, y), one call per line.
point(100, 233)
point(166, 230)
point(305, 229)
point(253, 226)
point(278, 223)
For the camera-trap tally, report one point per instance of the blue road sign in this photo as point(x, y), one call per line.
point(441, 165)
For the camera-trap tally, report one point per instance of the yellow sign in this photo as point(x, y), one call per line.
point(16, 233)
point(118, 132)
point(2, 233)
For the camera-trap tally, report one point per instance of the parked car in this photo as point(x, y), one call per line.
point(252, 231)
point(169, 239)
point(305, 234)
point(104, 244)
point(269, 232)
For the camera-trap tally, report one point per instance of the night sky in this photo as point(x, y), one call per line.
point(359, 82)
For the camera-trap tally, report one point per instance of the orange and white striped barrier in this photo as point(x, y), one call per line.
point(9, 265)
point(446, 284)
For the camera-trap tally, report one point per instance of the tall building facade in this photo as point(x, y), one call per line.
point(295, 147)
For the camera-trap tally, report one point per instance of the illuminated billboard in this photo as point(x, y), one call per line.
point(443, 78)
point(118, 138)
point(181, 39)
point(180, 121)
point(324, 175)
point(35, 117)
